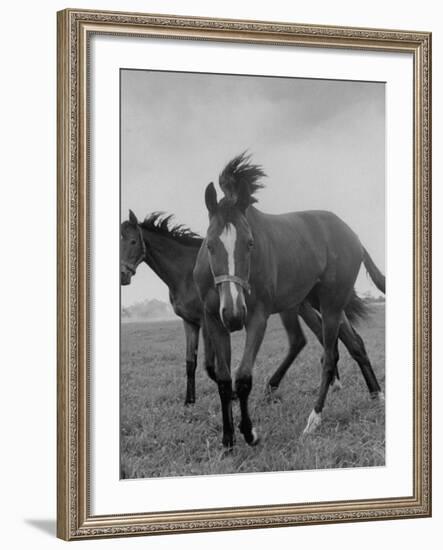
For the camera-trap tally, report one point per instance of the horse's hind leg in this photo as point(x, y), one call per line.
point(313, 320)
point(191, 333)
point(297, 342)
point(354, 344)
point(331, 322)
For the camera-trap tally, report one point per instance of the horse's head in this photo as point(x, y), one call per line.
point(132, 248)
point(229, 238)
point(229, 242)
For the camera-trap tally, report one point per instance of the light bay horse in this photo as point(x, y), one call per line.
point(253, 264)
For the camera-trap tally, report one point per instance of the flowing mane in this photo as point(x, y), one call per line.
point(160, 223)
point(239, 179)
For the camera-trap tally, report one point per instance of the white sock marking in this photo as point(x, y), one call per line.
point(313, 423)
point(336, 385)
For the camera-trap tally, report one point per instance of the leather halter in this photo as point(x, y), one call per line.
point(233, 279)
point(132, 267)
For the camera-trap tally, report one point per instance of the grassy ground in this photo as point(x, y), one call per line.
point(160, 437)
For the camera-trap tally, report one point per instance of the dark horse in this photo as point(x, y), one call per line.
point(171, 252)
point(255, 264)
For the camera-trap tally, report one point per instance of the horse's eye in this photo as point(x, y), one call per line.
point(210, 247)
point(133, 241)
point(251, 243)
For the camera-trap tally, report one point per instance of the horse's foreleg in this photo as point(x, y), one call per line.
point(221, 342)
point(191, 333)
point(209, 353)
point(255, 331)
point(354, 344)
point(297, 342)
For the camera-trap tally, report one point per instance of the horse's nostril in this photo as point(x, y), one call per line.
point(124, 278)
point(235, 324)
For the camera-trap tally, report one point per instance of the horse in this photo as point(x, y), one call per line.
point(171, 252)
point(254, 264)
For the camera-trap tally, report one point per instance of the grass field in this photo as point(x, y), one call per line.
point(161, 437)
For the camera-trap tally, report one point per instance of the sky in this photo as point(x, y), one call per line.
point(320, 142)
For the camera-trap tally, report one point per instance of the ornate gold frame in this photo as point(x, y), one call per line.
point(74, 520)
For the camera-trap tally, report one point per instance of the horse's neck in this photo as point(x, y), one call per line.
point(257, 220)
point(254, 215)
point(172, 261)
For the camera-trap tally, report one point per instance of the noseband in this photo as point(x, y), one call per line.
point(233, 279)
point(132, 267)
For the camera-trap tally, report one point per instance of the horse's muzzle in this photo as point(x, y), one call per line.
point(125, 277)
point(233, 322)
point(232, 305)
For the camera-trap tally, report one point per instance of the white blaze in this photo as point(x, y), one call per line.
point(228, 238)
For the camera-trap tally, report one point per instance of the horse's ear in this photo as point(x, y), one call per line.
point(133, 218)
point(211, 198)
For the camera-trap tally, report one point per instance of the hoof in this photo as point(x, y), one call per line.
point(270, 387)
point(226, 453)
point(189, 402)
point(378, 396)
point(228, 443)
point(271, 393)
point(314, 422)
point(255, 438)
point(251, 437)
point(336, 385)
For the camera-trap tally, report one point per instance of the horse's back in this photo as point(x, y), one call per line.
point(312, 228)
point(302, 249)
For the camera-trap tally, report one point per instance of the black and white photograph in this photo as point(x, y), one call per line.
point(252, 271)
point(243, 274)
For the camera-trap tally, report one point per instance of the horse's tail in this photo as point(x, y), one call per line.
point(376, 275)
point(356, 309)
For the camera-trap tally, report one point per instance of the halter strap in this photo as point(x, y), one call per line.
point(132, 267)
point(233, 279)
